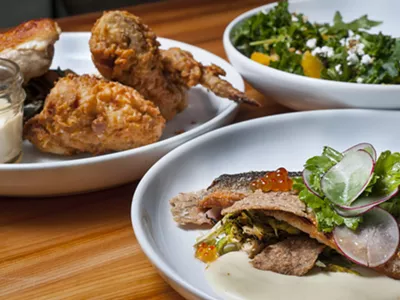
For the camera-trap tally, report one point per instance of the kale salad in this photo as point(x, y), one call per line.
point(339, 51)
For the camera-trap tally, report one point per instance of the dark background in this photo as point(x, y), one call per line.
point(14, 12)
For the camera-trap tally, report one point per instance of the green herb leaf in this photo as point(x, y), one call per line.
point(388, 169)
point(319, 165)
point(355, 25)
point(327, 218)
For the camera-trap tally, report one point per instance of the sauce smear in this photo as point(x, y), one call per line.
point(233, 278)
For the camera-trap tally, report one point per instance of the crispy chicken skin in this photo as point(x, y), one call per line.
point(126, 50)
point(184, 69)
point(31, 46)
point(88, 114)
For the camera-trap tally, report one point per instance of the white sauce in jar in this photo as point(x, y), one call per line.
point(234, 278)
point(10, 133)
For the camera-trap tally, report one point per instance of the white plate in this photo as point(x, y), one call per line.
point(262, 144)
point(303, 93)
point(45, 174)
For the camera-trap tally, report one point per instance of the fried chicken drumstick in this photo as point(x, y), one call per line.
point(126, 50)
point(88, 114)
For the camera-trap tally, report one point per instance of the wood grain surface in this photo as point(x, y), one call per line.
point(83, 247)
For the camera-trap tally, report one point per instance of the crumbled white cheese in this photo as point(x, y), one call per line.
point(360, 49)
point(366, 59)
point(328, 51)
point(359, 80)
point(338, 69)
point(294, 19)
point(298, 52)
point(316, 51)
point(350, 33)
point(311, 43)
point(352, 59)
point(343, 41)
point(351, 50)
point(325, 51)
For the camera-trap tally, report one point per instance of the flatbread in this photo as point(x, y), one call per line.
point(280, 201)
point(293, 256)
point(185, 209)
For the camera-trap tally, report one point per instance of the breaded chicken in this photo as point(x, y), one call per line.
point(31, 46)
point(126, 50)
point(184, 69)
point(88, 114)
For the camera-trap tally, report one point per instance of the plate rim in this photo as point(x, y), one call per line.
point(231, 108)
point(137, 215)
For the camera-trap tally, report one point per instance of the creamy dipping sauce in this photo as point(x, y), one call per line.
point(10, 133)
point(233, 278)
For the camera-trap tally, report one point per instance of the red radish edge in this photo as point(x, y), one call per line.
point(351, 213)
point(362, 146)
point(389, 256)
point(377, 202)
point(306, 182)
point(365, 185)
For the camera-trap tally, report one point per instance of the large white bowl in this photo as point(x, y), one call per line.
point(262, 144)
point(300, 92)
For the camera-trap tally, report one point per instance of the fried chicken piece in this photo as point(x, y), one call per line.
point(126, 50)
point(31, 46)
point(184, 69)
point(88, 114)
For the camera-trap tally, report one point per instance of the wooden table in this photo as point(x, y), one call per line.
point(83, 247)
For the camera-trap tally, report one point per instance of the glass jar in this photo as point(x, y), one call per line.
point(12, 97)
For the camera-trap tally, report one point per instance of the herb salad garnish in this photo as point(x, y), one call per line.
point(340, 51)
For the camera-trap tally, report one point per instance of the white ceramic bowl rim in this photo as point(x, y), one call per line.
point(106, 157)
point(267, 70)
point(137, 213)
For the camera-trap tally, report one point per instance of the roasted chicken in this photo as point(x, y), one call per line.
point(31, 46)
point(88, 114)
point(126, 50)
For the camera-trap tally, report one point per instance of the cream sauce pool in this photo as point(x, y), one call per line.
point(233, 278)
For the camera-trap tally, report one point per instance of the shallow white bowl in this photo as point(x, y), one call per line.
point(300, 92)
point(262, 144)
point(41, 174)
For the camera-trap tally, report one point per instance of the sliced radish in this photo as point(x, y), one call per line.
point(363, 146)
point(306, 179)
point(351, 213)
point(346, 180)
point(364, 204)
point(374, 242)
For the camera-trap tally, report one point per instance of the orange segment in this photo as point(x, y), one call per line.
point(261, 58)
point(312, 66)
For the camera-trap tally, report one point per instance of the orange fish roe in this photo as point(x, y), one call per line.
point(276, 181)
point(206, 253)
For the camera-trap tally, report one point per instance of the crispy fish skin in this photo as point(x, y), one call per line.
point(294, 256)
point(223, 192)
point(229, 188)
point(241, 181)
